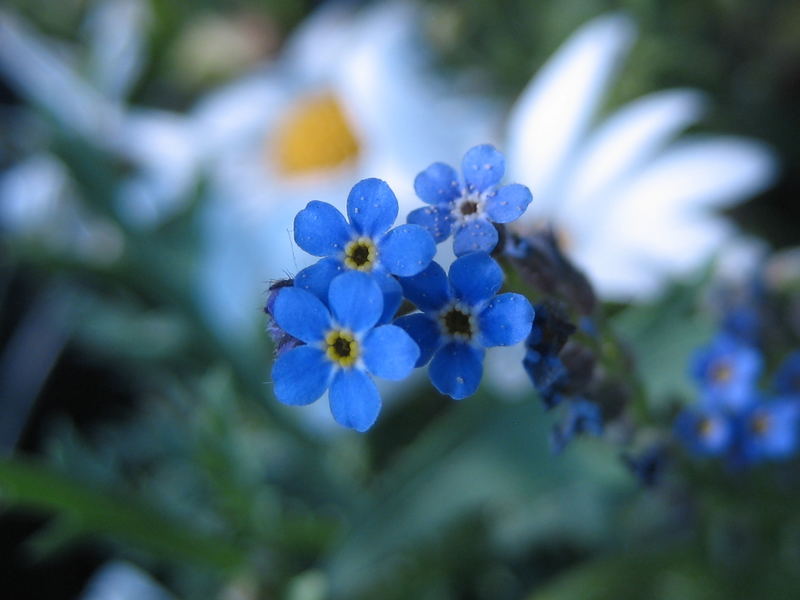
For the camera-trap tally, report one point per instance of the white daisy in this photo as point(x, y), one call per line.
point(633, 205)
point(347, 99)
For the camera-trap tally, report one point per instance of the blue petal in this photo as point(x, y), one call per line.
point(317, 278)
point(456, 370)
point(429, 289)
point(301, 375)
point(389, 352)
point(425, 332)
point(321, 230)
point(356, 300)
point(355, 402)
point(478, 235)
point(483, 166)
point(437, 220)
point(506, 320)
point(438, 184)
point(475, 277)
point(406, 250)
point(302, 315)
point(392, 295)
point(372, 207)
point(508, 203)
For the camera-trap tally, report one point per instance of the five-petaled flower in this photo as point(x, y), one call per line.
point(704, 432)
point(460, 317)
point(727, 371)
point(365, 244)
point(342, 347)
point(468, 208)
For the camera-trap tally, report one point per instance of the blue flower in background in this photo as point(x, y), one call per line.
point(704, 432)
point(365, 244)
point(282, 340)
point(343, 347)
point(727, 371)
point(787, 379)
point(768, 430)
point(583, 417)
point(546, 370)
point(468, 208)
point(461, 315)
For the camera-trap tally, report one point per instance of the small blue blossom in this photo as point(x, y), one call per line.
point(461, 315)
point(768, 430)
point(545, 368)
point(467, 208)
point(583, 417)
point(704, 432)
point(787, 379)
point(364, 244)
point(727, 371)
point(342, 348)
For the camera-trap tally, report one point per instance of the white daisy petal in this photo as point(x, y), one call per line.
point(626, 140)
point(116, 30)
point(556, 107)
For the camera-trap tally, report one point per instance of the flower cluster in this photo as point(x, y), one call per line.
point(335, 325)
point(734, 417)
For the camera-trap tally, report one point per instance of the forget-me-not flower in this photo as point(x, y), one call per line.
point(768, 430)
point(727, 371)
point(365, 244)
point(461, 315)
point(704, 432)
point(468, 208)
point(342, 348)
point(787, 379)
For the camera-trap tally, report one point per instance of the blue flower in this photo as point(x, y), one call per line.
point(727, 371)
point(704, 432)
point(364, 244)
point(461, 315)
point(468, 208)
point(343, 346)
point(583, 417)
point(282, 340)
point(547, 371)
point(768, 430)
point(787, 379)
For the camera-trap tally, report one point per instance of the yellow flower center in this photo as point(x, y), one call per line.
point(721, 372)
point(343, 349)
point(458, 322)
point(761, 424)
point(361, 254)
point(706, 427)
point(315, 136)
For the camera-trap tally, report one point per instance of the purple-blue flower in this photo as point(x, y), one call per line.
point(582, 417)
point(727, 371)
point(467, 207)
point(364, 244)
point(461, 315)
point(342, 348)
point(768, 431)
point(704, 432)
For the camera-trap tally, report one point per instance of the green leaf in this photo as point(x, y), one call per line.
point(25, 484)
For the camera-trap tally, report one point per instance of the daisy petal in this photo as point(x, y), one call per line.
point(317, 278)
point(506, 320)
point(483, 166)
point(372, 207)
point(429, 289)
point(436, 220)
point(438, 184)
point(301, 375)
point(356, 300)
point(556, 107)
point(456, 370)
point(406, 250)
point(425, 333)
point(389, 352)
point(355, 402)
point(508, 203)
point(301, 315)
point(321, 230)
point(475, 277)
point(476, 236)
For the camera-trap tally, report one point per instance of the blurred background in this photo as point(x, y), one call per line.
point(152, 157)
